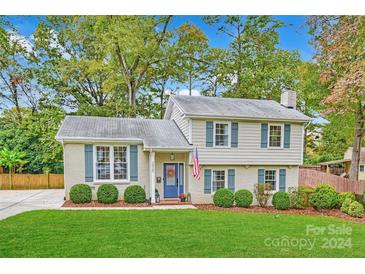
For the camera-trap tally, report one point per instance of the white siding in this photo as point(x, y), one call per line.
point(182, 122)
point(245, 178)
point(249, 149)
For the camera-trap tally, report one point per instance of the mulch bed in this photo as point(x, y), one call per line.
point(306, 211)
point(96, 204)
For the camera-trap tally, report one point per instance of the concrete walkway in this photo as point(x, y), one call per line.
point(155, 207)
point(13, 202)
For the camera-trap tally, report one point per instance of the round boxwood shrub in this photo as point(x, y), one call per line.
point(80, 193)
point(107, 194)
point(356, 210)
point(345, 195)
point(243, 198)
point(223, 198)
point(134, 194)
point(345, 205)
point(281, 200)
point(324, 197)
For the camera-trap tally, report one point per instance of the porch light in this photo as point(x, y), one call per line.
point(172, 156)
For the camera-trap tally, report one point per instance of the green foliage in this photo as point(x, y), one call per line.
point(345, 195)
point(346, 205)
point(134, 194)
point(324, 197)
point(296, 198)
point(223, 197)
point(356, 210)
point(107, 194)
point(80, 193)
point(281, 201)
point(263, 193)
point(243, 198)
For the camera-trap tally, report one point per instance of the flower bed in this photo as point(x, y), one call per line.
point(97, 204)
point(307, 211)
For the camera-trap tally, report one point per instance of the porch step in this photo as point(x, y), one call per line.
point(172, 202)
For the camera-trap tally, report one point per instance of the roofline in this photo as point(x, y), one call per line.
point(167, 149)
point(97, 139)
point(189, 115)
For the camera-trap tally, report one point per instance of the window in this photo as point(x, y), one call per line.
point(120, 163)
point(270, 177)
point(275, 136)
point(362, 169)
point(102, 163)
point(221, 134)
point(111, 163)
point(219, 179)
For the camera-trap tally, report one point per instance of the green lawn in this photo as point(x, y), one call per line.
point(171, 233)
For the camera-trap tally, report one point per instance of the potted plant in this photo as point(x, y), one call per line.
point(182, 197)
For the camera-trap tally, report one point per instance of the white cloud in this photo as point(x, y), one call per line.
point(194, 92)
point(22, 41)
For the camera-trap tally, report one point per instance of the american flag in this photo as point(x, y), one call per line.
point(196, 167)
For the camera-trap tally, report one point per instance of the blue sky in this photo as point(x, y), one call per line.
point(293, 37)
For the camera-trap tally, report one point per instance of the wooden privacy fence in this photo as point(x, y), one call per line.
point(32, 181)
point(312, 178)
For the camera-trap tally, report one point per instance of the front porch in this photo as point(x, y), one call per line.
point(168, 176)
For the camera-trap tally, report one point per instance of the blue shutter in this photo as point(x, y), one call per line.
point(89, 163)
point(231, 179)
point(287, 136)
point(133, 159)
point(234, 135)
point(209, 134)
point(207, 180)
point(282, 180)
point(264, 132)
point(261, 176)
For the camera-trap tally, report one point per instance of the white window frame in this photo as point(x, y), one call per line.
point(111, 149)
point(281, 139)
point(229, 133)
point(225, 178)
point(363, 168)
point(277, 177)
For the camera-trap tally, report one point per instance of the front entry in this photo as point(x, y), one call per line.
point(173, 180)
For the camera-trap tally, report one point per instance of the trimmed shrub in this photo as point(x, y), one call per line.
point(243, 198)
point(263, 193)
point(80, 193)
point(345, 205)
point(107, 194)
point(324, 197)
point(296, 198)
point(281, 200)
point(356, 210)
point(223, 198)
point(134, 194)
point(343, 196)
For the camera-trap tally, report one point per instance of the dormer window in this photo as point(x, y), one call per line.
point(221, 134)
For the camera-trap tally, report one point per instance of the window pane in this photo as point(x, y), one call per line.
point(120, 163)
point(270, 177)
point(275, 136)
point(218, 179)
point(102, 163)
point(221, 134)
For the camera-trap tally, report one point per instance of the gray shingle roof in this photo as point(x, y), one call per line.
point(239, 108)
point(153, 133)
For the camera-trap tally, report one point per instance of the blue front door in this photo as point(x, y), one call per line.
point(173, 180)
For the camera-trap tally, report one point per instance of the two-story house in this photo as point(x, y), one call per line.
point(240, 143)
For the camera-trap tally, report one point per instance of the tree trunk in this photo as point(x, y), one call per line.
point(190, 83)
point(356, 148)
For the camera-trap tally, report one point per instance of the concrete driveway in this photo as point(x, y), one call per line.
point(13, 202)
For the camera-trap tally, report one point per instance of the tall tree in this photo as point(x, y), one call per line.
point(340, 43)
point(75, 67)
point(135, 44)
point(191, 48)
point(256, 67)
